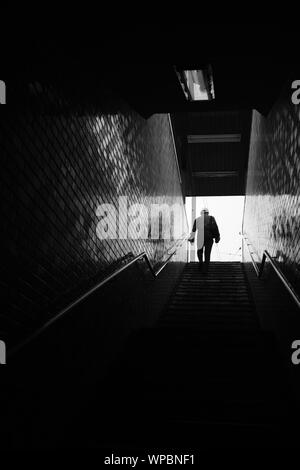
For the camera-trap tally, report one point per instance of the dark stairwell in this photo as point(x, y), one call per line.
point(213, 368)
point(204, 376)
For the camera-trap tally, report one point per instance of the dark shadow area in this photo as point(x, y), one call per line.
point(186, 360)
point(59, 377)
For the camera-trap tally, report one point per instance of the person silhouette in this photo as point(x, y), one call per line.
point(208, 230)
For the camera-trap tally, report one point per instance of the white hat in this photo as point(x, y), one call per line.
point(205, 210)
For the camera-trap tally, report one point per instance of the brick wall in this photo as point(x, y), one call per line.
point(272, 206)
point(272, 222)
point(60, 160)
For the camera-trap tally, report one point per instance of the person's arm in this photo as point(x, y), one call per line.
point(192, 234)
point(216, 231)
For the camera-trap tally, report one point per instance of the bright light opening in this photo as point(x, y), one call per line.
point(228, 212)
point(197, 85)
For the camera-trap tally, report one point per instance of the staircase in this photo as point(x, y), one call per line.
point(217, 301)
point(205, 376)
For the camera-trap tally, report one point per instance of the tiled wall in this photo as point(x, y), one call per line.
point(58, 165)
point(272, 206)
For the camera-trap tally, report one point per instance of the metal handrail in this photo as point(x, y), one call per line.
point(142, 255)
point(255, 265)
point(274, 264)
